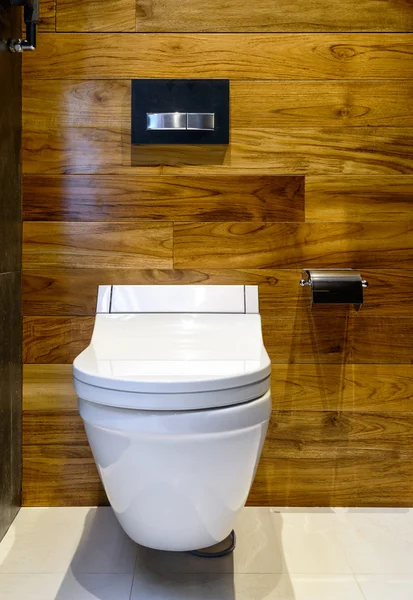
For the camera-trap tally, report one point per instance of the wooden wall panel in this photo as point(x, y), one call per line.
point(329, 426)
point(78, 103)
point(47, 15)
point(233, 15)
point(336, 482)
point(71, 292)
point(113, 245)
point(332, 106)
point(233, 56)
point(332, 388)
point(127, 198)
point(55, 340)
point(265, 245)
point(356, 151)
point(354, 198)
point(316, 339)
point(60, 476)
point(93, 15)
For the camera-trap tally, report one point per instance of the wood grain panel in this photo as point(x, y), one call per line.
point(56, 339)
point(336, 339)
point(65, 292)
point(47, 15)
point(352, 150)
point(61, 476)
point(329, 387)
point(352, 198)
point(233, 56)
point(233, 15)
point(312, 340)
point(265, 245)
point(81, 16)
point(56, 103)
point(48, 388)
point(60, 428)
point(338, 482)
point(127, 198)
point(113, 245)
point(336, 434)
point(321, 104)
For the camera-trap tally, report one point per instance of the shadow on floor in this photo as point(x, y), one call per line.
point(161, 575)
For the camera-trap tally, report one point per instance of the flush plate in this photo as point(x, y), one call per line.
point(204, 102)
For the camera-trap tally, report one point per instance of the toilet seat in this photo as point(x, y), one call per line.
point(173, 361)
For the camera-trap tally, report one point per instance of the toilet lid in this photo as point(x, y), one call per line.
point(207, 356)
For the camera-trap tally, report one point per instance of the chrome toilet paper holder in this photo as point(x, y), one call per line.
point(335, 286)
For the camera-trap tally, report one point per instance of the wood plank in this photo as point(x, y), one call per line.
point(58, 427)
point(266, 245)
point(313, 340)
point(340, 435)
point(327, 151)
point(113, 245)
point(268, 104)
point(341, 387)
point(285, 56)
point(319, 482)
point(321, 104)
point(80, 16)
point(127, 198)
point(353, 198)
point(336, 339)
point(48, 388)
point(47, 15)
point(70, 292)
point(323, 387)
point(55, 340)
point(235, 15)
point(61, 476)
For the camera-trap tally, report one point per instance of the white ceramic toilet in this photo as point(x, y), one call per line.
point(174, 391)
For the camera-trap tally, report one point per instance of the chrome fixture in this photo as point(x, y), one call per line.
point(31, 18)
point(335, 286)
point(180, 121)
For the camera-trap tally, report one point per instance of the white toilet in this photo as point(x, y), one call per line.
point(174, 391)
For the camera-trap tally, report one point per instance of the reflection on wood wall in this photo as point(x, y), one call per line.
point(319, 173)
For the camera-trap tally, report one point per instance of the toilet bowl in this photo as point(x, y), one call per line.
point(174, 392)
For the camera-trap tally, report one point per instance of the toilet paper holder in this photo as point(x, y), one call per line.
point(335, 286)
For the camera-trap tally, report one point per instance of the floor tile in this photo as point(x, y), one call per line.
point(65, 587)
point(245, 587)
point(386, 587)
point(377, 542)
point(49, 540)
point(258, 550)
point(309, 542)
point(104, 547)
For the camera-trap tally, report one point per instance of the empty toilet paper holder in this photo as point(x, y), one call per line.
point(334, 286)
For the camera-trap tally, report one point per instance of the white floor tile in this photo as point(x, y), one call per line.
point(104, 547)
point(386, 587)
point(377, 542)
point(50, 540)
point(245, 587)
point(309, 543)
point(65, 587)
point(258, 550)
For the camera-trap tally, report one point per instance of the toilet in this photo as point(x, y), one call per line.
point(174, 392)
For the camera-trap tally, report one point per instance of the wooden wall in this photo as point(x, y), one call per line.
point(319, 173)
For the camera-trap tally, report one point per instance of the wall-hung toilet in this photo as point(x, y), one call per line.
point(174, 391)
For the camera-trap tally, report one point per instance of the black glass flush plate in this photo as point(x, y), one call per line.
point(180, 96)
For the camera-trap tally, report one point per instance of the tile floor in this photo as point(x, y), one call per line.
point(281, 554)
